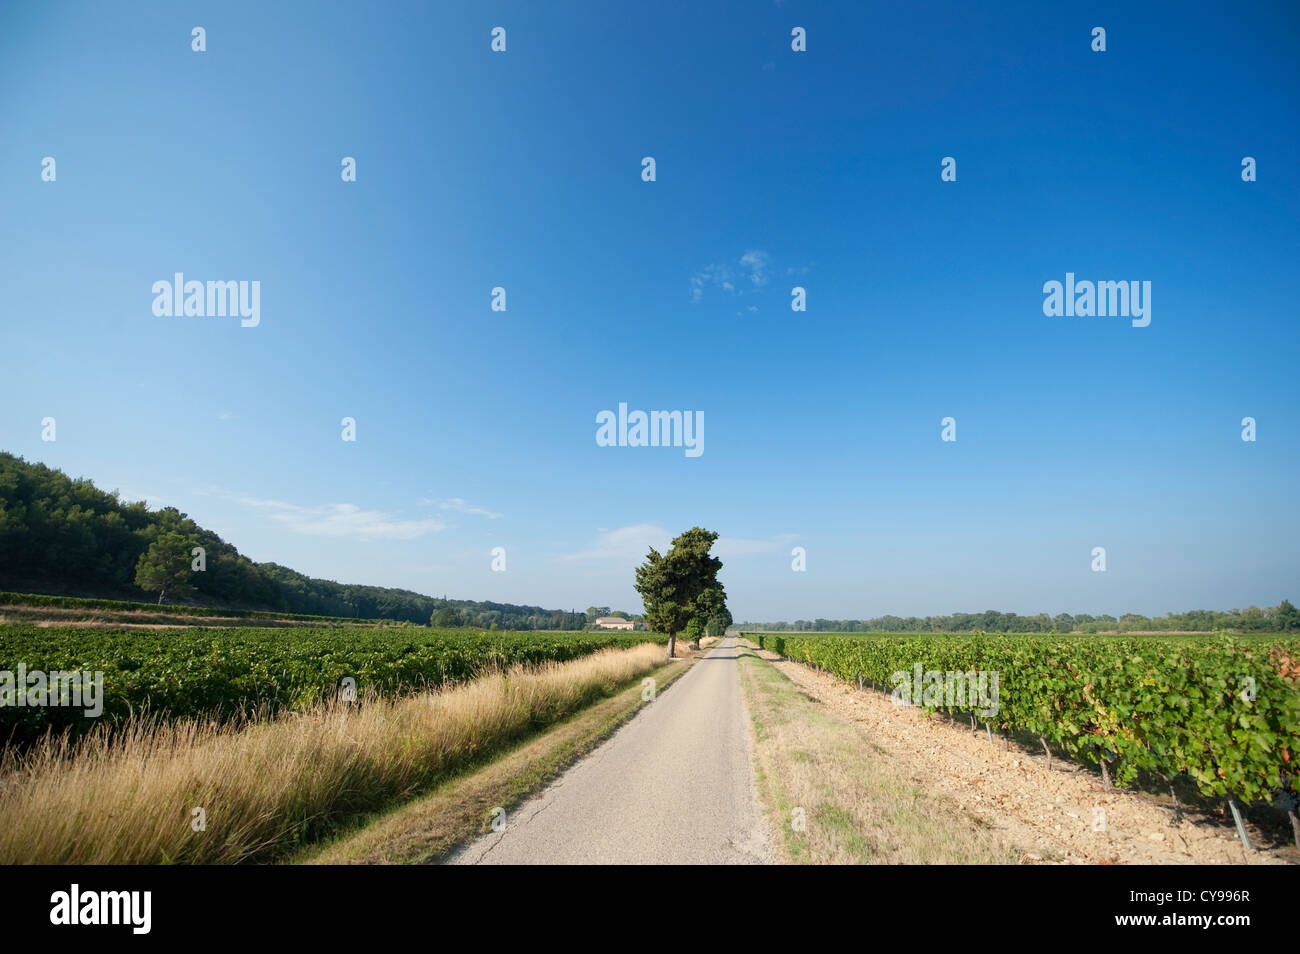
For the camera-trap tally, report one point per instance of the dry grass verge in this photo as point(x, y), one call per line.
point(835, 798)
point(267, 788)
point(427, 830)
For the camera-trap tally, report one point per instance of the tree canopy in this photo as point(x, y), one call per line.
point(680, 589)
point(165, 567)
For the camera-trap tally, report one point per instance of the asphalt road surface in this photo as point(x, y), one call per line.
point(675, 785)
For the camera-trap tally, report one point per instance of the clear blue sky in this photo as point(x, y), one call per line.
point(476, 429)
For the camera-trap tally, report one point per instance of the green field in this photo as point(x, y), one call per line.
point(190, 671)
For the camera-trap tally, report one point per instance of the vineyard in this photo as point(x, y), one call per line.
point(1224, 710)
point(186, 672)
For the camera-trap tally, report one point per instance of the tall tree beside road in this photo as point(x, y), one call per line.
point(680, 585)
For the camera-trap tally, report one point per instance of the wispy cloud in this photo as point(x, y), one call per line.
point(341, 520)
point(629, 545)
point(715, 276)
point(729, 547)
point(755, 262)
point(461, 505)
point(624, 545)
point(152, 501)
point(754, 265)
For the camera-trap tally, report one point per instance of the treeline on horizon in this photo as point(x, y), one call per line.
point(67, 537)
point(1283, 618)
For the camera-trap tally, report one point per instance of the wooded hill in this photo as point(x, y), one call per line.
point(67, 537)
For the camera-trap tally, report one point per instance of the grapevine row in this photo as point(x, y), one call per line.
point(1225, 710)
point(179, 673)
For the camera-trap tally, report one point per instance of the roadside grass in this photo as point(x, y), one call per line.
point(836, 798)
point(272, 787)
point(429, 829)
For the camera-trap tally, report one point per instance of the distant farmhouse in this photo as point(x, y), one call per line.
point(614, 622)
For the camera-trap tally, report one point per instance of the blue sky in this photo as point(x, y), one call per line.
point(476, 429)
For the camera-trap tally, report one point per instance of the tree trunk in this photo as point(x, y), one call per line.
point(672, 644)
point(1178, 808)
point(161, 594)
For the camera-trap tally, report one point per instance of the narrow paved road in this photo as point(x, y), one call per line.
point(673, 786)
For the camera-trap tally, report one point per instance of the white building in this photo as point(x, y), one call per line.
point(614, 622)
